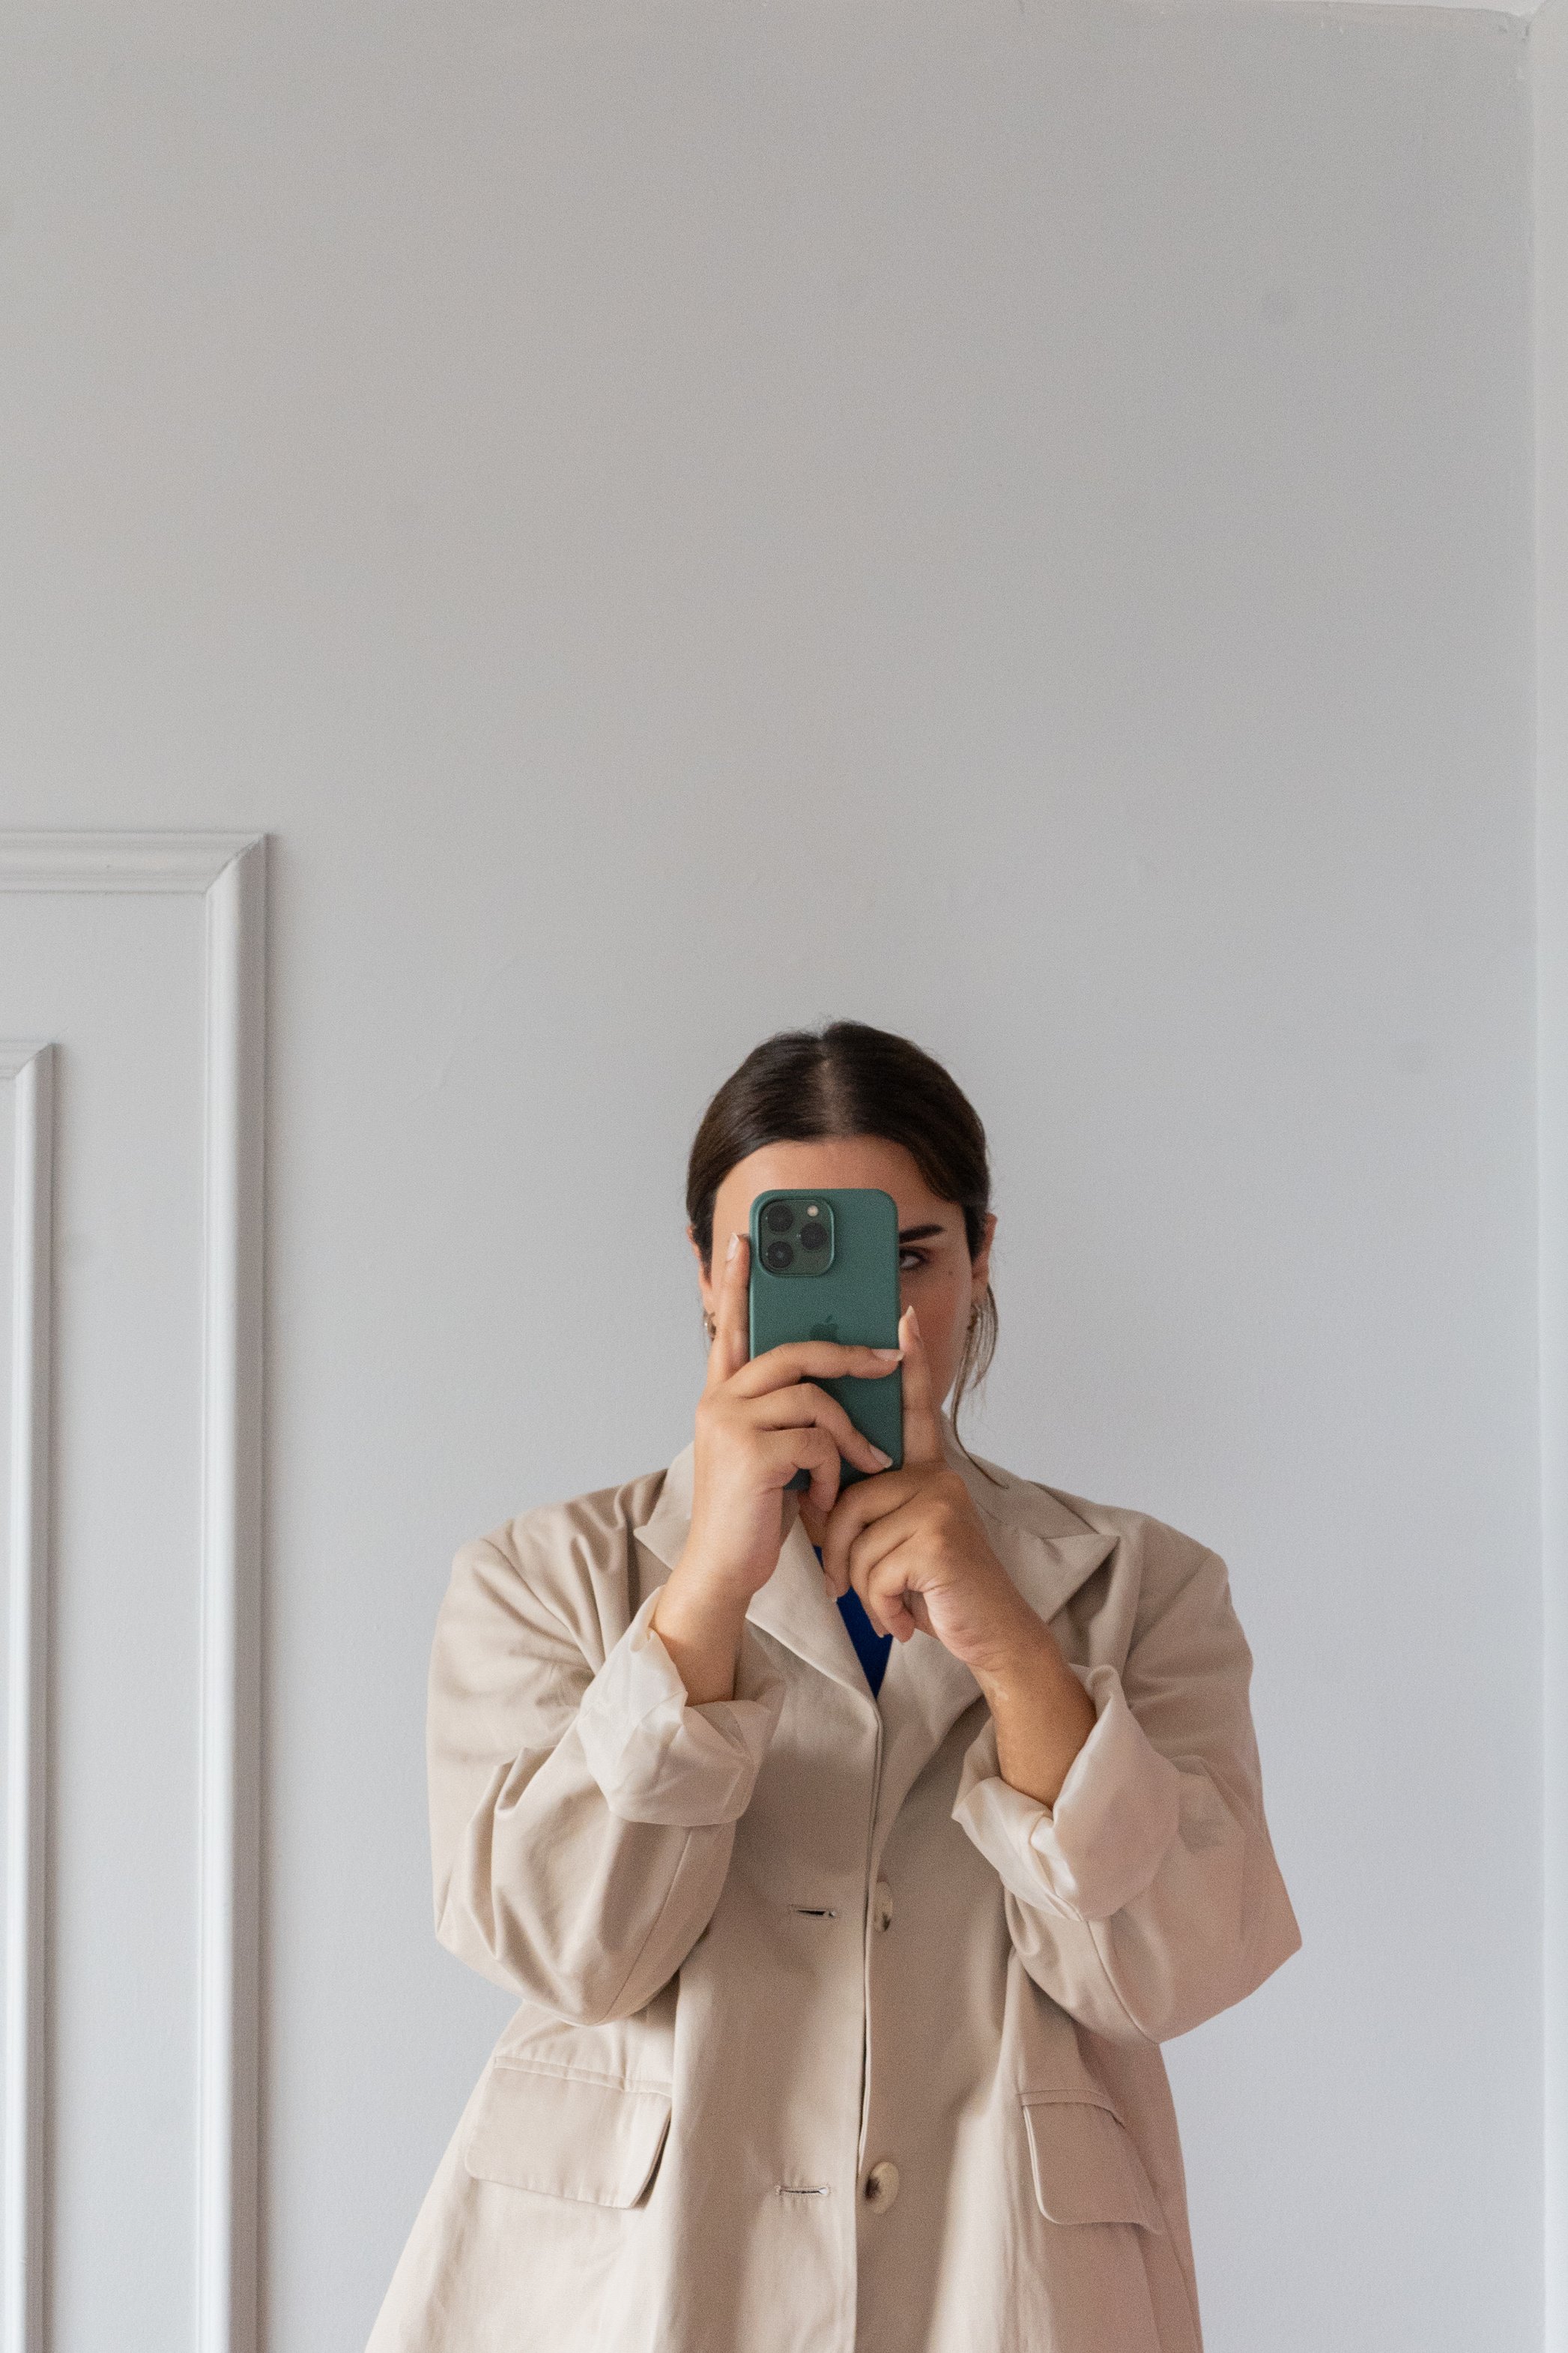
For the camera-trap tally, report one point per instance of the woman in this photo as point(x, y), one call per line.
point(849, 1905)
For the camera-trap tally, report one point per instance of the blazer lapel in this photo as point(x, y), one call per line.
point(924, 1691)
point(793, 1607)
point(664, 1532)
point(1044, 1546)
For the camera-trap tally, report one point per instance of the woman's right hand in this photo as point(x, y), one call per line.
point(759, 1420)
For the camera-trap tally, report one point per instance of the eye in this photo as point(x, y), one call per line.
point(909, 1258)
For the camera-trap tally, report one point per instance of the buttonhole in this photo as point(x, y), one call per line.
point(803, 2189)
point(814, 1912)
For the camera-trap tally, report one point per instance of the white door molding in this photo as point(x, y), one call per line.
point(229, 870)
point(28, 1065)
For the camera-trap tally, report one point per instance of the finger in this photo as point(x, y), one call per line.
point(815, 1522)
point(879, 1538)
point(807, 1361)
point(858, 1506)
point(803, 1402)
point(810, 1449)
point(922, 1431)
point(731, 1324)
point(869, 1552)
point(885, 1596)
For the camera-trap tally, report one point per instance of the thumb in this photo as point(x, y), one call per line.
point(922, 1431)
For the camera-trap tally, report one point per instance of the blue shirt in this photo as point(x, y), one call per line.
point(870, 1647)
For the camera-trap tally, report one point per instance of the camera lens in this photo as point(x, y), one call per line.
point(778, 1255)
point(778, 1217)
point(814, 1237)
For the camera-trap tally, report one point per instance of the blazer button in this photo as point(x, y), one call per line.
point(883, 1907)
point(882, 2186)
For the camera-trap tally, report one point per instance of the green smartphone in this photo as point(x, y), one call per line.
point(824, 1266)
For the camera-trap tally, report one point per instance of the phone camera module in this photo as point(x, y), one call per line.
point(814, 1237)
point(778, 1255)
point(778, 1217)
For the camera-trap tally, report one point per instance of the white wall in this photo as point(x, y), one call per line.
point(1548, 49)
point(1010, 522)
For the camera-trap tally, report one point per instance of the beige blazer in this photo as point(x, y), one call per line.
point(828, 2040)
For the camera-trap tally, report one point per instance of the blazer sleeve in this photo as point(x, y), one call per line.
point(1148, 1897)
point(581, 1812)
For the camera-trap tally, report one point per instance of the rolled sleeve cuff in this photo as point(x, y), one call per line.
point(657, 1757)
point(1115, 1815)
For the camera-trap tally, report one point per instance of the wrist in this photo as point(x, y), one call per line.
point(700, 1626)
point(1022, 1652)
point(1041, 1712)
point(698, 1591)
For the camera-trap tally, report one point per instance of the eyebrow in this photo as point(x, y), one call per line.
point(917, 1233)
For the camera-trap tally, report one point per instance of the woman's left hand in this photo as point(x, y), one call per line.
point(912, 1545)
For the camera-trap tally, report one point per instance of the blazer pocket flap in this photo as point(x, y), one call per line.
point(567, 2136)
point(1085, 2163)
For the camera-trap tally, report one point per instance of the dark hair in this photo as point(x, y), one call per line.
point(847, 1079)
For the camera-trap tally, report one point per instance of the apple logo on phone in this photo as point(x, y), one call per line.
point(826, 1330)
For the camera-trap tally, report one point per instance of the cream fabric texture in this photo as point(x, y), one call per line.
point(659, 1759)
point(770, 1947)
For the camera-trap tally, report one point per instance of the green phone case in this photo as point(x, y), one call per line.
point(853, 1298)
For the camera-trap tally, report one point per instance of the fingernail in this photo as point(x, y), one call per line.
point(892, 1354)
point(734, 1246)
point(886, 1460)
